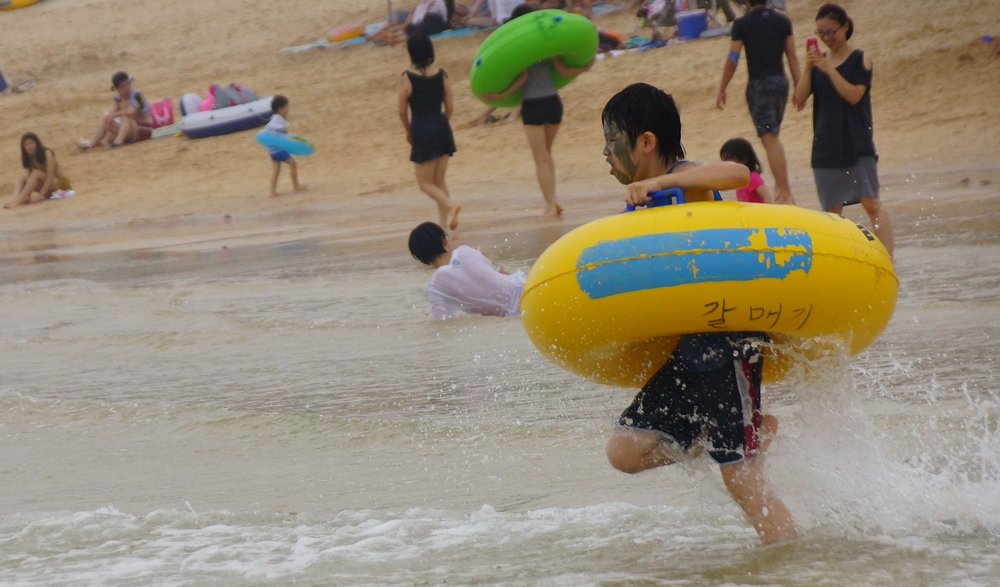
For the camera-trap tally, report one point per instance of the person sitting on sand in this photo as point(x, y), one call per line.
point(128, 122)
point(43, 178)
point(428, 17)
point(477, 15)
point(655, 14)
point(464, 279)
point(490, 13)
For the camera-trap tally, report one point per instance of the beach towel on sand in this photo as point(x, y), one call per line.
point(325, 44)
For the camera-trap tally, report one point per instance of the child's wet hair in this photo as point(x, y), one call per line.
point(641, 108)
point(740, 151)
point(421, 50)
point(278, 102)
point(427, 242)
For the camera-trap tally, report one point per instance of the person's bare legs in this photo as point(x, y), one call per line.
point(541, 139)
point(391, 35)
point(767, 431)
point(440, 169)
point(274, 177)
point(105, 131)
point(19, 185)
point(425, 180)
point(126, 128)
point(881, 223)
point(551, 130)
point(748, 487)
point(294, 170)
point(25, 187)
point(631, 450)
point(779, 168)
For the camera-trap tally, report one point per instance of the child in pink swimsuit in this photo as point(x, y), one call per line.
point(741, 151)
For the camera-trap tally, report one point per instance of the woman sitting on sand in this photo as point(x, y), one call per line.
point(488, 13)
point(128, 122)
point(42, 179)
point(428, 17)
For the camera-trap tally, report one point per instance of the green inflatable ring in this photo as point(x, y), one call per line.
point(526, 40)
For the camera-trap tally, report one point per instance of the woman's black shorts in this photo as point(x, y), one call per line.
point(538, 111)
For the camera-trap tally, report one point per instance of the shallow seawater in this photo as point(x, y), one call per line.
point(285, 411)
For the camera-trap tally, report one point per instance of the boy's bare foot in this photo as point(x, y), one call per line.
point(275, 194)
point(453, 216)
point(300, 188)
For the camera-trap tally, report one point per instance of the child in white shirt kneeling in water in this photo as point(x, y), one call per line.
point(464, 279)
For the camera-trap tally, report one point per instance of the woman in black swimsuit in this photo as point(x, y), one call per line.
point(425, 106)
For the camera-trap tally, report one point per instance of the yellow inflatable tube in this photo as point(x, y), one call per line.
point(13, 4)
point(608, 300)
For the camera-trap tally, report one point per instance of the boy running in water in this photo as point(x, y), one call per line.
point(707, 395)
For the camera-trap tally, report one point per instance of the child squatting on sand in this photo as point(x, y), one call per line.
point(279, 123)
point(707, 395)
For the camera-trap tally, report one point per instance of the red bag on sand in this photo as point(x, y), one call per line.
point(162, 112)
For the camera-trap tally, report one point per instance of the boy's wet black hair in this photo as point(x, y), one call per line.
point(421, 50)
point(277, 102)
point(427, 242)
point(740, 151)
point(643, 108)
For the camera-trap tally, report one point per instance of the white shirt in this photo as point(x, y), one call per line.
point(501, 9)
point(433, 6)
point(472, 283)
point(277, 124)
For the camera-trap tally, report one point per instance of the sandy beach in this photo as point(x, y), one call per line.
point(204, 384)
point(935, 89)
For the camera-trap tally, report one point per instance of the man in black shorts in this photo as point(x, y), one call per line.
point(766, 34)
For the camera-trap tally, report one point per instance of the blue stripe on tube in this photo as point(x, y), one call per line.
point(666, 260)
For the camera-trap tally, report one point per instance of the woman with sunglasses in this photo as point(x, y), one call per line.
point(844, 158)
